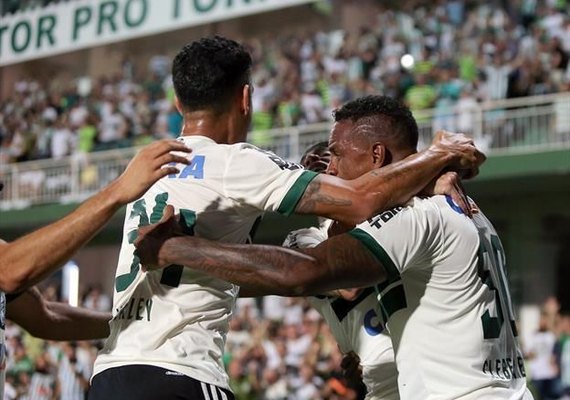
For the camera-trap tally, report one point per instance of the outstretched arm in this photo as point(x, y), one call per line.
point(56, 321)
point(31, 258)
point(351, 202)
point(339, 262)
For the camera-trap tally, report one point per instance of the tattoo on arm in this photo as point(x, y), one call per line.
point(313, 197)
point(339, 262)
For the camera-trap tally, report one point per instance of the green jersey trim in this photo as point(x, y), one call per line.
point(372, 244)
point(390, 293)
point(289, 202)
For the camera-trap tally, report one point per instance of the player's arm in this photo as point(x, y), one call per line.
point(351, 202)
point(56, 321)
point(339, 262)
point(31, 258)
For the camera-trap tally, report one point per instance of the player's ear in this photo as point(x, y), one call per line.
point(246, 99)
point(378, 154)
point(178, 105)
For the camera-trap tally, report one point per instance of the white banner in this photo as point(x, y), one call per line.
point(73, 25)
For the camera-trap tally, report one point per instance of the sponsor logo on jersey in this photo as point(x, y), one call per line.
point(381, 219)
point(373, 324)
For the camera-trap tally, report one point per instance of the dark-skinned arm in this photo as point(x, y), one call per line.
point(56, 321)
point(339, 262)
point(353, 201)
point(35, 256)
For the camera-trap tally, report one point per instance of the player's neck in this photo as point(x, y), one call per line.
point(209, 124)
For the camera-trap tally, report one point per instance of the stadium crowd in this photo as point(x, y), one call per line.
point(459, 53)
point(277, 349)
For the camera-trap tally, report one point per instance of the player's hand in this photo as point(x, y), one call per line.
point(350, 365)
point(151, 238)
point(148, 166)
point(338, 228)
point(450, 184)
point(467, 158)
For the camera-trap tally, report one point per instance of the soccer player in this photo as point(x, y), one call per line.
point(31, 258)
point(354, 316)
point(169, 327)
point(438, 275)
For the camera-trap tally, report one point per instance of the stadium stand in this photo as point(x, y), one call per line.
point(460, 57)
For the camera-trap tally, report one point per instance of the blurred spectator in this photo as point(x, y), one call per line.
point(466, 109)
point(62, 139)
point(562, 355)
point(501, 50)
point(42, 383)
point(541, 361)
point(95, 299)
point(73, 375)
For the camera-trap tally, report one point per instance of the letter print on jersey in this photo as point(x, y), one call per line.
point(281, 163)
point(391, 294)
point(171, 275)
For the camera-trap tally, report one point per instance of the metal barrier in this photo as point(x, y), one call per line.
point(507, 126)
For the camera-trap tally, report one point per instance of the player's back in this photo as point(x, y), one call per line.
point(177, 318)
point(447, 302)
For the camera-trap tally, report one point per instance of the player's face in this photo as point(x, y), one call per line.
point(351, 155)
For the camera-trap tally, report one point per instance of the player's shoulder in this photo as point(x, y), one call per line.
point(254, 154)
point(419, 211)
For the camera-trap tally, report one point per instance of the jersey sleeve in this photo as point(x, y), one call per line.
point(265, 181)
point(399, 238)
point(305, 238)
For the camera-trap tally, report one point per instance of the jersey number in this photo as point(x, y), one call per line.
point(491, 270)
point(170, 275)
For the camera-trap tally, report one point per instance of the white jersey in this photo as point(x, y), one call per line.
point(357, 326)
point(177, 318)
point(447, 302)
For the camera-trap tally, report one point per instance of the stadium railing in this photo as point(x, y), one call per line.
point(500, 127)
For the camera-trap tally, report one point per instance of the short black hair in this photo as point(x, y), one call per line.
point(207, 72)
point(399, 125)
point(317, 148)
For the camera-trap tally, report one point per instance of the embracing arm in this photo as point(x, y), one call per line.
point(31, 258)
point(56, 321)
point(339, 262)
point(351, 202)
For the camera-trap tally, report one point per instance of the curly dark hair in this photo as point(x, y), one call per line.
point(317, 148)
point(393, 119)
point(207, 72)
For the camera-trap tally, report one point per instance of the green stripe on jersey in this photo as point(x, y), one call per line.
point(289, 202)
point(391, 293)
point(372, 245)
